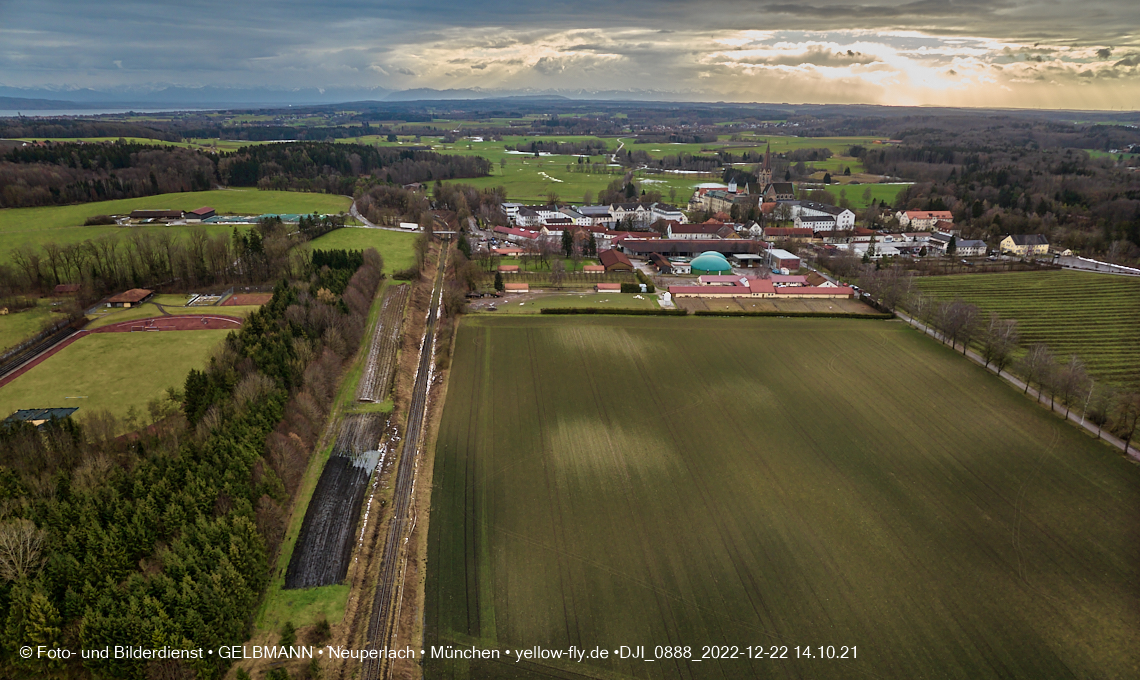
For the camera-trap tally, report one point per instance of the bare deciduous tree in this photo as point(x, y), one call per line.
point(21, 542)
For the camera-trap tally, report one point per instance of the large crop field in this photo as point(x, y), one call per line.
point(1095, 316)
point(768, 484)
point(112, 371)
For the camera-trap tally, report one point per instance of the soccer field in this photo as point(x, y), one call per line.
point(758, 485)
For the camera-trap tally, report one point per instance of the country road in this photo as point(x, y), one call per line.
point(385, 606)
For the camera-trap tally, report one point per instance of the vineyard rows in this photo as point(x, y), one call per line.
point(1094, 316)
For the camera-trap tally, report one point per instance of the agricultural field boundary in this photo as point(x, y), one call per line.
point(1037, 394)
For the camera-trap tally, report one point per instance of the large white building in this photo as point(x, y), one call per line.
point(844, 218)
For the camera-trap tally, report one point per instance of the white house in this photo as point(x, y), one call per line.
point(922, 219)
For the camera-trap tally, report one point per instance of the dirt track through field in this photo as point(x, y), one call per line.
point(381, 363)
point(184, 322)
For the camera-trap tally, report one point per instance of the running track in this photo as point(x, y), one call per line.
point(180, 322)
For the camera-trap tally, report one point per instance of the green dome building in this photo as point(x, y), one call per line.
point(710, 263)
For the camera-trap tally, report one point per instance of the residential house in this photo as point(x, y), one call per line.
point(922, 220)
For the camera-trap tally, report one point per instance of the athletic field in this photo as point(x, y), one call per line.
point(758, 485)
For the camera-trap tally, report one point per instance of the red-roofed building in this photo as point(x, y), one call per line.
point(761, 287)
point(509, 268)
point(615, 261)
point(515, 234)
point(516, 287)
point(593, 269)
point(203, 213)
point(131, 298)
point(789, 280)
point(607, 287)
point(507, 252)
point(720, 280)
point(922, 220)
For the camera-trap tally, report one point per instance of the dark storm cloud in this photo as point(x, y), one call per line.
point(677, 45)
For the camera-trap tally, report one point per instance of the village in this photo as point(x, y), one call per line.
point(768, 257)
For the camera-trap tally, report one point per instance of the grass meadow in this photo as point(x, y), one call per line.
point(772, 483)
point(397, 248)
point(63, 224)
point(1095, 316)
point(111, 371)
point(19, 326)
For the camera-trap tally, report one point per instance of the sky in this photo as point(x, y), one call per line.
point(992, 53)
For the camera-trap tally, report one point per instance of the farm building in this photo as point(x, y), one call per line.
point(67, 289)
point(789, 280)
point(156, 214)
point(615, 261)
point(761, 288)
point(516, 287)
point(593, 269)
point(782, 259)
point(39, 416)
point(746, 259)
point(607, 287)
point(1025, 244)
point(663, 265)
point(710, 262)
point(802, 235)
point(720, 280)
point(507, 252)
point(131, 298)
point(509, 268)
point(705, 231)
point(818, 280)
point(643, 247)
point(203, 213)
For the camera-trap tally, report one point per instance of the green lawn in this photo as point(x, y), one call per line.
point(559, 300)
point(397, 248)
point(111, 371)
point(1095, 316)
point(62, 224)
point(769, 482)
point(19, 326)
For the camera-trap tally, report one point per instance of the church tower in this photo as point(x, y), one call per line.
point(764, 174)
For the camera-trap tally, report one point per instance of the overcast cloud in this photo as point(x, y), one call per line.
point(965, 53)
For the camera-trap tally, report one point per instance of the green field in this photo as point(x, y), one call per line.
point(19, 326)
point(63, 224)
point(397, 248)
point(1095, 316)
point(559, 300)
point(111, 371)
point(776, 483)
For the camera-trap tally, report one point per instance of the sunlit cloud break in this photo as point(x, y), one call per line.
point(961, 53)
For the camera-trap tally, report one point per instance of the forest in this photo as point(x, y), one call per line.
point(64, 173)
point(164, 538)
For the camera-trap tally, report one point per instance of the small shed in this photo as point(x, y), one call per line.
point(607, 287)
point(509, 268)
point(516, 287)
point(593, 269)
point(67, 289)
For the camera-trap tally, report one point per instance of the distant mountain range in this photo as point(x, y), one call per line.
point(39, 99)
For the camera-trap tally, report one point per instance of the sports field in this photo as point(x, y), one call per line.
point(63, 224)
point(17, 327)
point(397, 248)
point(764, 484)
point(1095, 316)
point(112, 371)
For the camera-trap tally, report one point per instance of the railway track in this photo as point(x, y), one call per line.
point(382, 623)
point(381, 362)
